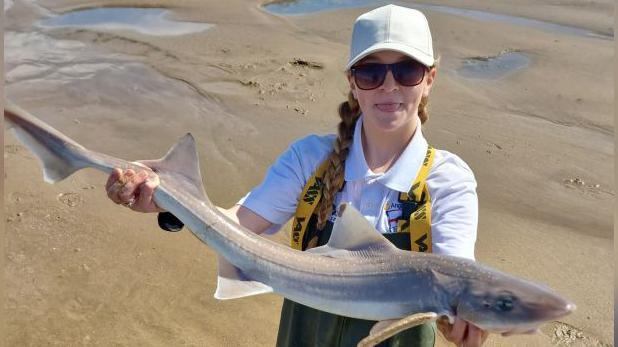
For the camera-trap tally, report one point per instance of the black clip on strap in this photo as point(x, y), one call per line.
point(169, 222)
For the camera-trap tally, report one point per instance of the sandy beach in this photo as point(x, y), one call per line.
point(83, 271)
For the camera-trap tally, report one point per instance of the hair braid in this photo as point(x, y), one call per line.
point(423, 111)
point(349, 111)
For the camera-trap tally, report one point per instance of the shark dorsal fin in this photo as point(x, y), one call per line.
point(181, 164)
point(353, 233)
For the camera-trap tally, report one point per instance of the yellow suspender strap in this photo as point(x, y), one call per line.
point(420, 220)
point(306, 205)
point(420, 228)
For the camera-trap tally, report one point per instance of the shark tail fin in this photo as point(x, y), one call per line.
point(59, 155)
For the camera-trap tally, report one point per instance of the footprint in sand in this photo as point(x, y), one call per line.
point(15, 150)
point(70, 199)
point(564, 334)
point(580, 184)
point(306, 63)
point(12, 149)
point(75, 309)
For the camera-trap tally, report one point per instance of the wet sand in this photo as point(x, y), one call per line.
point(82, 271)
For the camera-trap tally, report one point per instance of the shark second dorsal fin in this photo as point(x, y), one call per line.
point(181, 164)
point(353, 233)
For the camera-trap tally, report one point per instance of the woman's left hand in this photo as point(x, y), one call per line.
point(463, 333)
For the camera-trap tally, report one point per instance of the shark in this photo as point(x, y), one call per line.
point(358, 273)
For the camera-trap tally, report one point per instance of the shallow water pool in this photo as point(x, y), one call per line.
point(149, 21)
point(493, 67)
point(303, 7)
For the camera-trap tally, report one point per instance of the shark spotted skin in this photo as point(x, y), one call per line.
point(357, 274)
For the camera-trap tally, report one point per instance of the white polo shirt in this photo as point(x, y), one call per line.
point(451, 185)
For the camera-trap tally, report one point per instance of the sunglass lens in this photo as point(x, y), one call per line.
point(408, 73)
point(369, 76)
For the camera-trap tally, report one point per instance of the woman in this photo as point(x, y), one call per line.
point(420, 198)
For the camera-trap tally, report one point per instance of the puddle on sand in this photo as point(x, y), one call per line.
point(149, 21)
point(515, 20)
point(301, 7)
point(493, 67)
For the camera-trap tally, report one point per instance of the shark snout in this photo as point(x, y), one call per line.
point(568, 308)
point(556, 307)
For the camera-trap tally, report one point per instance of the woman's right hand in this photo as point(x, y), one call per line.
point(133, 189)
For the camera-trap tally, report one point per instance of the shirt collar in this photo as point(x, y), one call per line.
point(401, 175)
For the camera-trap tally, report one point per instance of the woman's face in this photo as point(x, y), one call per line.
point(391, 106)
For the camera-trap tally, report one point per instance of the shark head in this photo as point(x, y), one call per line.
point(510, 305)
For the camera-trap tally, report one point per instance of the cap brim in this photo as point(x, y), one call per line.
point(414, 53)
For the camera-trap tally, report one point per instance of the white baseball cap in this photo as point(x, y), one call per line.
point(395, 28)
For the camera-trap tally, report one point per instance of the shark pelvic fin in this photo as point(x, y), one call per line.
point(352, 233)
point(233, 284)
point(181, 166)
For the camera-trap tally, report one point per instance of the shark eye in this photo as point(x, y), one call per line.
point(505, 304)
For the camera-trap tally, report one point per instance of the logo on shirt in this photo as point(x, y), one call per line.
point(394, 212)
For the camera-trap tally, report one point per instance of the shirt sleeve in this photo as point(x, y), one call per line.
point(276, 198)
point(454, 207)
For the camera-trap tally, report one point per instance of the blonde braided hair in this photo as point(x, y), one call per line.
point(423, 109)
point(423, 106)
point(349, 111)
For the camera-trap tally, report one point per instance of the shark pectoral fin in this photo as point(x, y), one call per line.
point(382, 330)
point(353, 232)
point(233, 284)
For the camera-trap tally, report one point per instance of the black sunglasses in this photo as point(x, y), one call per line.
point(371, 75)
